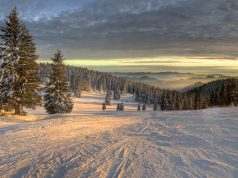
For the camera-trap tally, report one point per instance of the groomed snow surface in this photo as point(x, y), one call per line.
point(93, 143)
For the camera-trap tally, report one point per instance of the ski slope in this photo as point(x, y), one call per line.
point(93, 143)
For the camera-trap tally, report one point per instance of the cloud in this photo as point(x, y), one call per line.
point(128, 28)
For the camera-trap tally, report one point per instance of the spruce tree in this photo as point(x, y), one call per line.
point(57, 97)
point(10, 37)
point(19, 78)
point(108, 98)
point(104, 106)
point(117, 95)
point(212, 99)
point(155, 108)
point(197, 99)
point(28, 74)
point(144, 107)
point(222, 98)
point(163, 101)
point(118, 106)
point(138, 107)
point(122, 108)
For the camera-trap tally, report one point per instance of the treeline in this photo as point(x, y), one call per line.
point(82, 79)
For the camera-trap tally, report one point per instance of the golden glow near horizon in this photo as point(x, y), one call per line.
point(185, 63)
point(166, 61)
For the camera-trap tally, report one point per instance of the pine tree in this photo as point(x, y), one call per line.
point(108, 98)
point(117, 95)
point(18, 67)
point(155, 108)
point(118, 106)
point(28, 74)
point(57, 98)
point(204, 104)
point(104, 106)
point(212, 99)
point(163, 102)
point(144, 107)
point(122, 107)
point(9, 57)
point(222, 98)
point(197, 100)
point(138, 108)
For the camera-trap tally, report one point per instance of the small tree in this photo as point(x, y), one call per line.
point(144, 107)
point(57, 98)
point(138, 108)
point(155, 108)
point(104, 106)
point(122, 107)
point(108, 99)
point(117, 95)
point(118, 106)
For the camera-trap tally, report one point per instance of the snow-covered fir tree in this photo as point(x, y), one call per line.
point(9, 57)
point(57, 98)
point(19, 79)
point(108, 98)
point(116, 94)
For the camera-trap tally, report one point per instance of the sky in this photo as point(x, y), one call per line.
point(198, 36)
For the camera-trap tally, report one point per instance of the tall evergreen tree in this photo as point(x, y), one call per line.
point(28, 74)
point(9, 57)
point(19, 78)
point(57, 97)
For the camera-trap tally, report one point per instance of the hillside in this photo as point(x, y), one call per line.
point(208, 88)
point(190, 87)
point(94, 143)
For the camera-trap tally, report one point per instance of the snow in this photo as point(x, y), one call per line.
point(93, 143)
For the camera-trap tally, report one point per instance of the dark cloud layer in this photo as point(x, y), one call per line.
point(129, 28)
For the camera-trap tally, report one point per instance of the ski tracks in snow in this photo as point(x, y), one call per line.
point(146, 144)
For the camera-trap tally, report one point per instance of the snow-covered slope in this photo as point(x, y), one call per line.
point(93, 143)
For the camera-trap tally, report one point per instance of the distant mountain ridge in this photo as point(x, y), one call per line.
point(144, 73)
point(181, 81)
